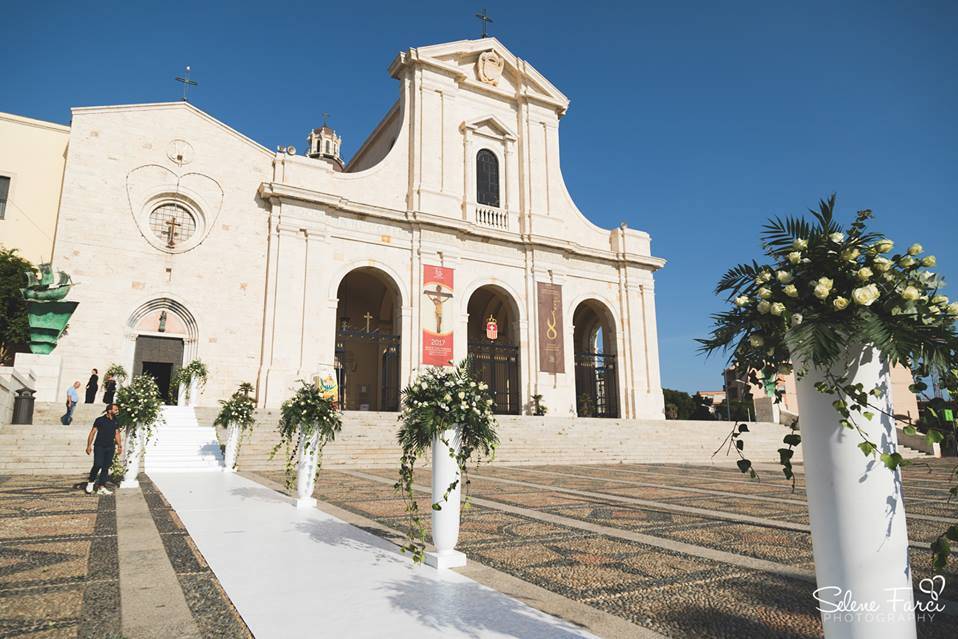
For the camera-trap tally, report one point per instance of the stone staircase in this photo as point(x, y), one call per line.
point(180, 444)
point(368, 440)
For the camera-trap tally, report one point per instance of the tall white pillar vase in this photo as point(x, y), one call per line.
point(445, 522)
point(859, 538)
point(232, 448)
point(134, 451)
point(194, 393)
point(181, 395)
point(308, 458)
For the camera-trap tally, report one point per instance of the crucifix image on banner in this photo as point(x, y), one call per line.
point(437, 323)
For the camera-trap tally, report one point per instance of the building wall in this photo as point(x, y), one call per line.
point(118, 163)
point(32, 154)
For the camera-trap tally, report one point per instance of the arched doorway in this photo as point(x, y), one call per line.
point(494, 350)
point(165, 338)
point(596, 366)
point(368, 339)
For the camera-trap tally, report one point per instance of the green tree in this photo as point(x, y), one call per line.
point(14, 332)
point(685, 405)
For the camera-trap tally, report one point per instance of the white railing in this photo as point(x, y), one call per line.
point(492, 217)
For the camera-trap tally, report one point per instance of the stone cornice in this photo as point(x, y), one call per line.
point(270, 190)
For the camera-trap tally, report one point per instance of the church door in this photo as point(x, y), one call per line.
point(494, 346)
point(368, 341)
point(596, 371)
point(159, 357)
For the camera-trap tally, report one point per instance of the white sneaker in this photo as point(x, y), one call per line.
point(104, 491)
point(89, 488)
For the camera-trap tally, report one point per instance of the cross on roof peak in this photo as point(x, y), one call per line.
point(485, 21)
point(187, 83)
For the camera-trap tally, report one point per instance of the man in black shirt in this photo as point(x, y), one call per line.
point(103, 440)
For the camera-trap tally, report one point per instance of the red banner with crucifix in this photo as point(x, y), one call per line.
point(437, 315)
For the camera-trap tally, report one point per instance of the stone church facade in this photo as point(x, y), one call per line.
point(449, 234)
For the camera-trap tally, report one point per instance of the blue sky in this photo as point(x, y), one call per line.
point(693, 121)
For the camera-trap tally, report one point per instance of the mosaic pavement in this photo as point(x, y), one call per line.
point(59, 575)
point(59, 572)
point(675, 593)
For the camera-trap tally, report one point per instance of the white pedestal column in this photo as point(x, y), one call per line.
point(445, 522)
point(181, 395)
point(194, 393)
point(134, 451)
point(47, 369)
point(306, 472)
point(859, 539)
point(232, 448)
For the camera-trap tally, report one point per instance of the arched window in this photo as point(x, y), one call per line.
point(487, 178)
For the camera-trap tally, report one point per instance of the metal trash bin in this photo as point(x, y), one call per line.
point(23, 406)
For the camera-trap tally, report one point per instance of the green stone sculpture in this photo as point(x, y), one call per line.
point(47, 313)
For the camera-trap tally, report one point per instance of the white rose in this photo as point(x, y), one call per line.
point(840, 303)
point(800, 244)
point(940, 300)
point(826, 282)
point(929, 261)
point(764, 276)
point(881, 264)
point(953, 308)
point(764, 293)
point(784, 277)
point(794, 257)
point(462, 395)
point(764, 307)
point(797, 318)
point(915, 249)
point(866, 295)
point(864, 273)
point(883, 246)
point(907, 262)
point(837, 238)
point(791, 290)
point(910, 293)
point(821, 292)
point(741, 300)
point(850, 255)
point(777, 308)
point(757, 341)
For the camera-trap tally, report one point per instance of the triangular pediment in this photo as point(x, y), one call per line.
point(486, 63)
point(490, 125)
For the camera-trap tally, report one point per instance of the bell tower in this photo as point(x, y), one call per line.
point(324, 145)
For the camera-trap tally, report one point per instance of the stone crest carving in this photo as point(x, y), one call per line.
point(489, 67)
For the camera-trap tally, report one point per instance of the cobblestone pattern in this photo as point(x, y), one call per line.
point(214, 613)
point(673, 593)
point(59, 576)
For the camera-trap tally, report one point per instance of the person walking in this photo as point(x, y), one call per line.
point(103, 441)
point(73, 398)
point(110, 385)
point(91, 387)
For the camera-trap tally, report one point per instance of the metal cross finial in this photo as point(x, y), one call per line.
point(187, 83)
point(325, 119)
point(485, 20)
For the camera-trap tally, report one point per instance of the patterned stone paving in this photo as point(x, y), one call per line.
point(59, 571)
point(212, 609)
point(673, 593)
point(59, 576)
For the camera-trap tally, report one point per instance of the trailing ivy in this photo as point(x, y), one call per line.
point(307, 413)
point(827, 288)
point(238, 410)
point(438, 400)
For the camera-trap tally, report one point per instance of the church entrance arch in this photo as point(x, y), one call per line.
point(368, 341)
point(165, 334)
point(596, 371)
point(493, 345)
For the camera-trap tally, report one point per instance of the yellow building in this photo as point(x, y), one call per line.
point(32, 157)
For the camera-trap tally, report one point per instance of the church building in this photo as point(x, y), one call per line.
point(449, 234)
